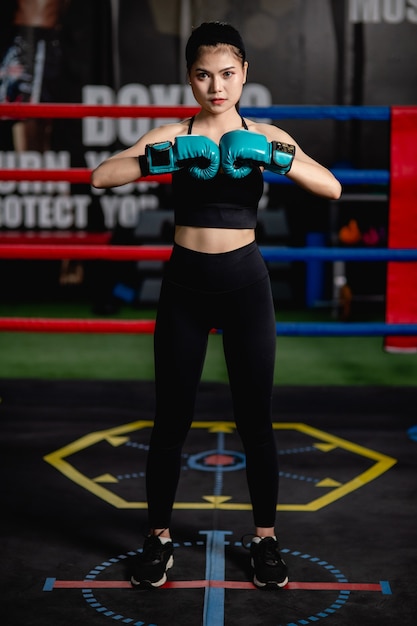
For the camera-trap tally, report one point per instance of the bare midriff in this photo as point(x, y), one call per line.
point(213, 240)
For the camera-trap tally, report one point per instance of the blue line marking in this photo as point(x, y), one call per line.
point(385, 587)
point(213, 612)
point(218, 480)
point(49, 584)
point(308, 479)
point(298, 450)
point(412, 433)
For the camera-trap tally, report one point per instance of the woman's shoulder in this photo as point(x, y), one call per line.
point(272, 132)
point(168, 132)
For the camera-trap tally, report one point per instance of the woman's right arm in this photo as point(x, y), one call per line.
point(118, 170)
point(123, 168)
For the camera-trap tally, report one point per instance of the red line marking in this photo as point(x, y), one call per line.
point(92, 584)
point(219, 584)
point(213, 584)
point(336, 586)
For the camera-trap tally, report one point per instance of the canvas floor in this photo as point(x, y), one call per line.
point(74, 513)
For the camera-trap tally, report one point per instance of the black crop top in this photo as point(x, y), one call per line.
point(220, 202)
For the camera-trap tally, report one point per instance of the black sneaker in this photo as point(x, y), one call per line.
point(152, 563)
point(270, 569)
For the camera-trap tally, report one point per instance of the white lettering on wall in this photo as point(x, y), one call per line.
point(97, 130)
point(45, 212)
point(383, 11)
point(125, 210)
point(128, 130)
point(34, 161)
point(412, 11)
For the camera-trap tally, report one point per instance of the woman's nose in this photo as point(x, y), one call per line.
point(216, 84)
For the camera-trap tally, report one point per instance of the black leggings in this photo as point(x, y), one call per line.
point(230, 291)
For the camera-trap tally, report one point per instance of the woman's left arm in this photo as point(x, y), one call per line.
point(305, 171)
point(313, 177)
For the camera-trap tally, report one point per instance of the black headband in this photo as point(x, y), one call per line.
point(211, 34)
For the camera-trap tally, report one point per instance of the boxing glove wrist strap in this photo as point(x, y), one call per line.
point(282, 157)
point(144, 165)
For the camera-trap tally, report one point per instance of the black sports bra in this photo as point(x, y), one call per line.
point(220, 202)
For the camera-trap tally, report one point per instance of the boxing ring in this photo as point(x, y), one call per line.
point(400, 327)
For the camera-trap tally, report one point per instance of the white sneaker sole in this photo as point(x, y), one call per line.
point(271, 583)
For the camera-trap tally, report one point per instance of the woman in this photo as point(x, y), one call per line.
point(216, 278)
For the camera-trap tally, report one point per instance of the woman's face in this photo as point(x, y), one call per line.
point(217, 78)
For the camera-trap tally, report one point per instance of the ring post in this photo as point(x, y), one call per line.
point(314, 272)
point(401, 294)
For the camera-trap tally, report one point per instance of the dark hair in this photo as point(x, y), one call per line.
point(213, 34)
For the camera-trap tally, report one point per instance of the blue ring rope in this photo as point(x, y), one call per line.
point(344, 329)
point(307, 112)
point(344, 176)
point(270, 253)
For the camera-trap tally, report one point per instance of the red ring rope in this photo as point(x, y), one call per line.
point(58, 252)
point(73, 175)
point(63, 325)
point(71, 111)
point(42, 325)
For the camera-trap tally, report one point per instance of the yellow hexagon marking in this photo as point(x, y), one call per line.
point(106, 478)
point(328, 482)
point(322, 441)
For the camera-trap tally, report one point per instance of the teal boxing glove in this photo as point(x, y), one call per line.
point(241, 150)
point(199, 154)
